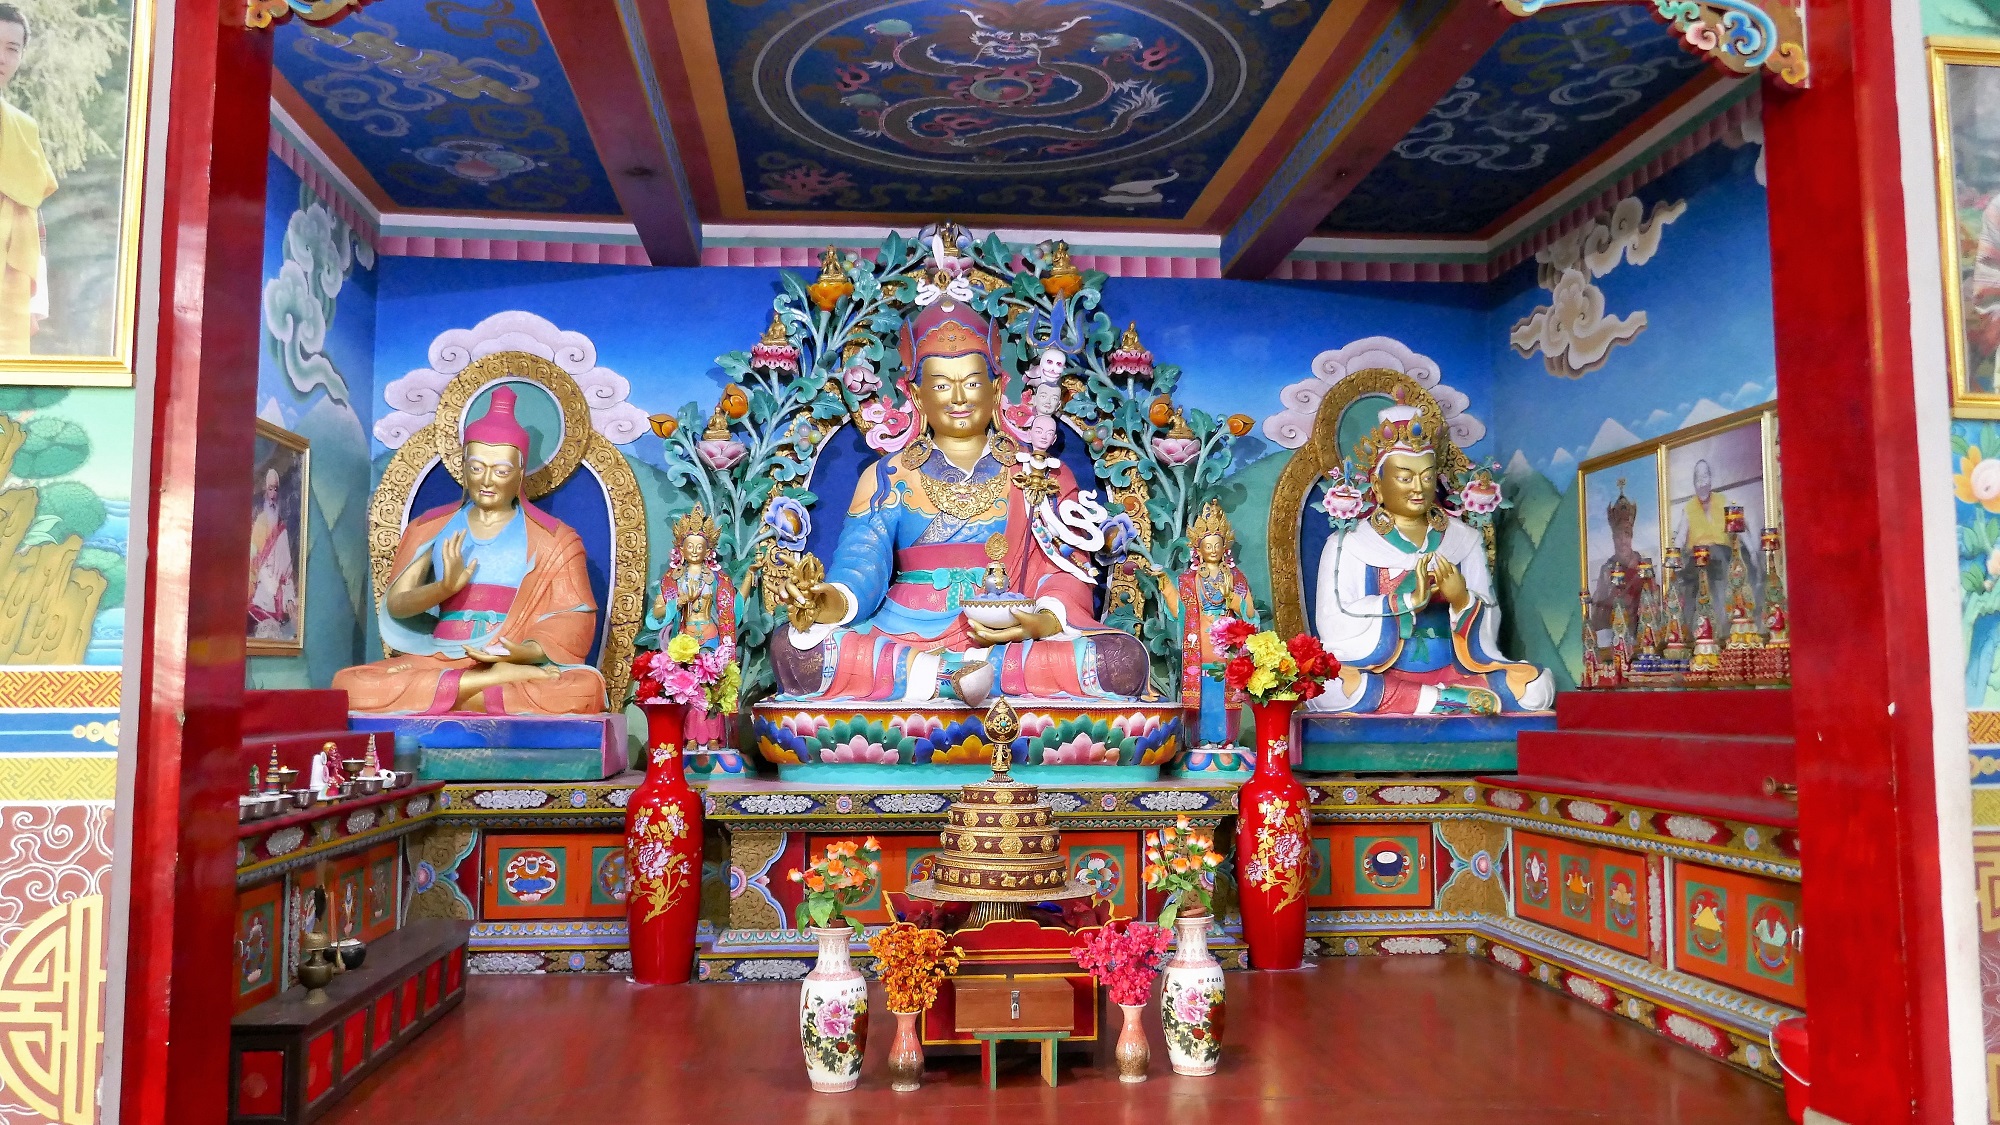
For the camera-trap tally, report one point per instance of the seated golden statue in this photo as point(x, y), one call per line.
point(1406, 601)
point(922, 537)
point(489, 600)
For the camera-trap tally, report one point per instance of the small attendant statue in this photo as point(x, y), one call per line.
point(489, 603)
point(696, 599)
point(1208, 591)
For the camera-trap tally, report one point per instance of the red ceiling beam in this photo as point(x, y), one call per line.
point(1389, 91)
point(616, 90)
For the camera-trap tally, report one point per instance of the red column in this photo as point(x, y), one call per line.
point(189, 685)
point(1861, 677)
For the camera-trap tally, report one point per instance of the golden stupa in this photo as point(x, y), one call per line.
point(1000, 840)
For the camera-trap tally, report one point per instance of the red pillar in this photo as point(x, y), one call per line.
point(1861, 676)
point(189, 685)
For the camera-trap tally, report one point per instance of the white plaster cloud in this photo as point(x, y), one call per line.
point(1573, 333)
point(413, 399)
point(1291, 426)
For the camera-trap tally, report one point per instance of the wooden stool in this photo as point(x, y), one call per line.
point(989, 1050)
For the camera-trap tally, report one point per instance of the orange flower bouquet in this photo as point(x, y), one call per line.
point(843, 875)
point(1181, 862)
point(911, 961)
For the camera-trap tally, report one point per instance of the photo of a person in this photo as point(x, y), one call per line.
point(26, 180)
point(277, 543)
point(1705, 479)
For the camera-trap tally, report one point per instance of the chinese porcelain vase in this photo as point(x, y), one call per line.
point(1134, 1054)
point(833, 1015)
point(1191, 1003)
point(1272, 842)
point(663, 856)
point(906, 1054)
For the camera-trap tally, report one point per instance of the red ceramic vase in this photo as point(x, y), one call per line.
point(663, 855)
point(1273, 844)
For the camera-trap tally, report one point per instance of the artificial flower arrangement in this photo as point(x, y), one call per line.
point(1181, 862)
point(1124, 957)
point(1266, 668)
point(911, 961)
point(842, 876)
point(684, 672)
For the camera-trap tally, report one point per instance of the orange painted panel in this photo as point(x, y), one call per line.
point(1740, 930)
point(551, 875)
point(1370, 866)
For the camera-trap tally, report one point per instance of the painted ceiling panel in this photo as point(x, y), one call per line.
point(455, 105)
point(1550, 92)
point(1043, 109)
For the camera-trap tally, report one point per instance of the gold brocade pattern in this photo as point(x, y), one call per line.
point(966, 500)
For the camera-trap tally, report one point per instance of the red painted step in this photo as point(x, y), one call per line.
point(269, 713)
point(1753, 712)
point(1718, 765)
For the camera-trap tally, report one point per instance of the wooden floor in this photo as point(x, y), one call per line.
point(1362, 1041)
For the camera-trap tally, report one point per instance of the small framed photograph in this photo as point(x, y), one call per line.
point(1965, 108)
point(276, 624)
point(1619, 510)
point(1715, 481)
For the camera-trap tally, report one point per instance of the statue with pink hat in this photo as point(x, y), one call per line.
point(489, 607)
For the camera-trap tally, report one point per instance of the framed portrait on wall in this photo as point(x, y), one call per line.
point(73, 85)
point(1965, 118)
point(1619, 514)
point(276, 625)
point(1714, 486)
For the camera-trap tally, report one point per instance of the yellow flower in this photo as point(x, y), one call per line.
point(682, 649)
point(1978, 481)
point(1262, 680)
point(1266, 649)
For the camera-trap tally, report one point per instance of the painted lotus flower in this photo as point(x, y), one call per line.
point(1176, 451)
point(859, 751)
point(803, 725)
point(722, 454)
point(860, 379)
point(968, 750)
point(1978, 480)
point(1345, 502)
point(1080, 750)
point(1136, 725)
point(889, 428)
point(789, 522)
point(1481, 496)
point(1033, 723)
point(834, 1019)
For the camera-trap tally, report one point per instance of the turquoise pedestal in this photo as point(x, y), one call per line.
point(1414, 743)
point(504, 747)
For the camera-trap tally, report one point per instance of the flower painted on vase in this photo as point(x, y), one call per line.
point(834, 1019)
point(1280, 851)
point(831, 1031)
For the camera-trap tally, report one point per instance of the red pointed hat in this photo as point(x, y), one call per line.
point(498, 426)
point(943, 329)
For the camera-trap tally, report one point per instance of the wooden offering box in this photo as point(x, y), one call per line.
point(1010, 1003)
point(290, 1060)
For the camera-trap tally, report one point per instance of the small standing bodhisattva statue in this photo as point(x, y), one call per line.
point(696, 599)
point(1208, 591)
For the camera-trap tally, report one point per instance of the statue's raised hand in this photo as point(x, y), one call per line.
point(1450, 583)
point(457, 572)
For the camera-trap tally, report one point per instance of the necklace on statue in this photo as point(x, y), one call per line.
point(965, 500)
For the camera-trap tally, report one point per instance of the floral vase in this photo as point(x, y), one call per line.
point(906, 1054)
point(1272, 842)
point(1134, 1054)
point(663, 856)
point(1191, 1004)
point(833, 1014)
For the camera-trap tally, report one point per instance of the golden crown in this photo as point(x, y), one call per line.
point(1211, 522)
point(1401, 430)
point(696, 522)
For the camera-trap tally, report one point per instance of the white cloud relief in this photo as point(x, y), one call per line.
point(1291, 426)
point(1573, 334)
point(413, 399)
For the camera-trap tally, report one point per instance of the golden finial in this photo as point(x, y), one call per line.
point(1002, 725)
point(1211, 522)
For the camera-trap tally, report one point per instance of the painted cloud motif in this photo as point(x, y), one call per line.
point(1573, 333)
point(413, 399)
point(1291, 426)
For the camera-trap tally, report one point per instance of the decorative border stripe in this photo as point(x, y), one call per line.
point(60, 689)
point(59, 777)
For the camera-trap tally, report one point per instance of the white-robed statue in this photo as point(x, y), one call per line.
point(1405, 598)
